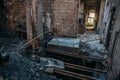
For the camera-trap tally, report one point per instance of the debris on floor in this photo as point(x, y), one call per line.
point(47, 64)
point(90, 45)
point(20, 66)
point(87, 44)
point(25, 64)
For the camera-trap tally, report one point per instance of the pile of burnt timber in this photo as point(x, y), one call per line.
point(69, 48)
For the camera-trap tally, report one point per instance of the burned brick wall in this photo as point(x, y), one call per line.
point(64, 14)
point(65, 17)
point(16, 13)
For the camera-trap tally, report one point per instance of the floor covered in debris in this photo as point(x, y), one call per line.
point(22, 66)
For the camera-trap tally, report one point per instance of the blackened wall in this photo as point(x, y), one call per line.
point(112, 25)
point(3, 17)
point(16, 12)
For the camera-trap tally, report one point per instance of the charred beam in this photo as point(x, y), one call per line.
point(72, 55)
point(73, 75)
point(84, 68)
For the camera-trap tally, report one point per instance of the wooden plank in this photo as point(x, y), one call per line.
point(73, 75)
point(73, 66)
point(72, 55)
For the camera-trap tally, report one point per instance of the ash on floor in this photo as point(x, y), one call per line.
point(20, 67)
point(90, 45)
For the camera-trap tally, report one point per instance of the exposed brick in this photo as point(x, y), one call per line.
point(64, 15)
point(16, 12)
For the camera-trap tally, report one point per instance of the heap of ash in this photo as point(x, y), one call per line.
point(20, 66)
point(90, 45)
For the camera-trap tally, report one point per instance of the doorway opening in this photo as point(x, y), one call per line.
point(90, 18)
point(90, 10)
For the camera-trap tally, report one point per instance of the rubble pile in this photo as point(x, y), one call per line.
point(90, 45)
point(21, 66)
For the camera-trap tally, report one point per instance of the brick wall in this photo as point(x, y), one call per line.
point(116, 47)
point(64, 15)
point(16, 12)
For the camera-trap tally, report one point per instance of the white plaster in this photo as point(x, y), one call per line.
point(48, 21)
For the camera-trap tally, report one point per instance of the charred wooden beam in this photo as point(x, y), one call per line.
point(59, 52)
point(31, 22)
point(28, 20)
point(73, 75)
point(83, 68)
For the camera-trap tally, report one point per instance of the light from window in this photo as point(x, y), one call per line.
point(92, 15)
